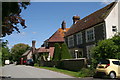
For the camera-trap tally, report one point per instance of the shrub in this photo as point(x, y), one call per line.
point(86, 72)
point(65, 52)
point(105, 49)
point(57, 55)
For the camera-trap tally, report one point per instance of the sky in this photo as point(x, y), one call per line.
point(45, 18)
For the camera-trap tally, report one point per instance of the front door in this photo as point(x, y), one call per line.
point(80, 54)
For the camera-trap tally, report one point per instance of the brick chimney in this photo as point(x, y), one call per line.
point(33, 46)
point(75, 19)
point(63, 25)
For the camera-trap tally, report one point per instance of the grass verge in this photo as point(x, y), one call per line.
point(70, 73)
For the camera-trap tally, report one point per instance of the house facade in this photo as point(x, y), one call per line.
point(85, 33)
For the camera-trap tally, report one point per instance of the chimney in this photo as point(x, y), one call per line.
point(33, 46)
point(75, 19)
point(63, 25)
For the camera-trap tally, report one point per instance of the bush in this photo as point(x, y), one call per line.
point(57, 55)
point(105, 49)
point(65, 52)
point(86, 72)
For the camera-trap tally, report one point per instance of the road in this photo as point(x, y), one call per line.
point(22, 72)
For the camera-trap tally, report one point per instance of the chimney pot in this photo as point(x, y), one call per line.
point(75, 19)
point(33, 45)
point(63, 25)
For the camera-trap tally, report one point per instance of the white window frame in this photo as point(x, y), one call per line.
point(71, 43)
point(88, 48)
point(88, 30)
point(79, 38)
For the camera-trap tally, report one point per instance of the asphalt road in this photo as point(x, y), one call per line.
point(22, 72)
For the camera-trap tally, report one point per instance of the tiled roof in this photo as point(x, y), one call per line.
point(91, 20)
point(58, 36)
point(26, 53)
point(43, 49)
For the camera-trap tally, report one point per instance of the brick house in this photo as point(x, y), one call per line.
point(57, 37)
point(84, 33)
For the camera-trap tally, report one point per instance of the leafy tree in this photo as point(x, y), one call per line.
point(106, 49)
point(19, 49)
point(65, 52)
point(5, 52)
point(116, 40)
point(56, 56)
point(11, 17)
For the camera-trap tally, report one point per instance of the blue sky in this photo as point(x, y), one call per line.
point(44, 18)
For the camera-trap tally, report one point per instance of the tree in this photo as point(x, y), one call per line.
point(65, 52)
point(56, 56)
point(116, 40)
point(5, 52)
point(106, 49)
point(11, 17)
point(19, 49)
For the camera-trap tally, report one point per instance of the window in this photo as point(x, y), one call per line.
point(79, 38)
point(104, 62)
point(114, 29)
point(71, 41)
point(90, 35)
point(88, 51)
point(116, 62)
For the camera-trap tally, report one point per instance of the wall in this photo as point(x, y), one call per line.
point(111, 20)
point(29, 55)
point(74, 64)
point(99, 31)
point(70, 64)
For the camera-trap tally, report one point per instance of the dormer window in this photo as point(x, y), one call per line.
point(86, 20)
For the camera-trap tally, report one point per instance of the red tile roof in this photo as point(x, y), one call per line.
point(26, 53)
point(43, 49)
point(91, 20)
point(58, 36)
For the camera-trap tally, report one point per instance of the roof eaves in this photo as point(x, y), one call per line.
point(111, 7)
point(103, 17)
